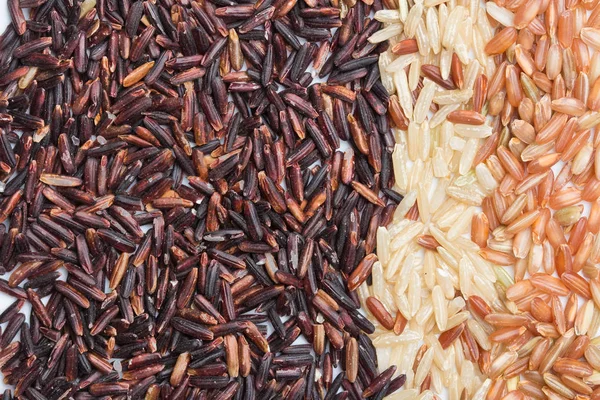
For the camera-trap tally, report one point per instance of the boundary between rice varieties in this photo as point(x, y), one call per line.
point(420, 264)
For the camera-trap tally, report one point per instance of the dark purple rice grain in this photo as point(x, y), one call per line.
point(11, 310)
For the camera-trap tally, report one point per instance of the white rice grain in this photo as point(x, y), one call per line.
point(433, 30)
point(414, 74)
point(414, 293)
point(473, 131)
point(409, 200)
point(424, 101)
point(445, 63)
point(500, 14)
point(386, 33)
point(391, 339)
point(388, 16)
point(404, 96)
point(422, 38)
point(383, 252)
point(479, 334)
point(386, 78)
point(444, 97)
point(461, 224)
point(414, 18)
point(468, 155)
point(439, 307)
point(452, 27)
point(404, 395)
point(414, 134)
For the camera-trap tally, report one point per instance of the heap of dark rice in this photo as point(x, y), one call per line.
point(175, 161)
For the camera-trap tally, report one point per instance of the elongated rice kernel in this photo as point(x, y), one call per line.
point(468, 155)
point(414, 74)
point(500, 14)
point(401, 83)
point(388, 16)
point(502, 41)
point(439, 308)
point(413, 19)
point(385, 34)
point(452, 26)
point(591, 37)
point(433, 30)
point(424, 101)
point(452, 96)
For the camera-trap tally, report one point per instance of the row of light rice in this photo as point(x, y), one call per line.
point(486, 284)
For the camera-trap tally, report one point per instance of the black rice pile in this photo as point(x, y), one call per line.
point(175, 161)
